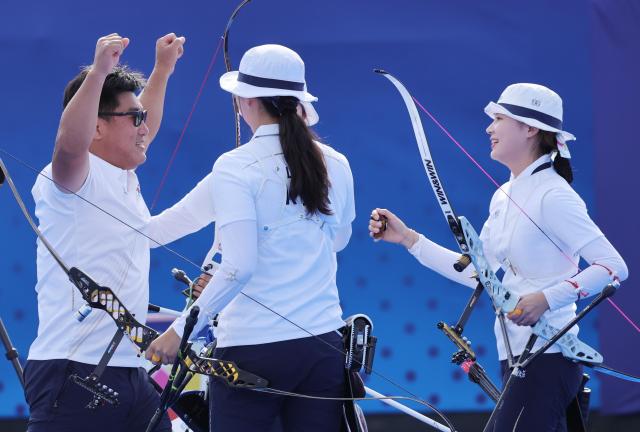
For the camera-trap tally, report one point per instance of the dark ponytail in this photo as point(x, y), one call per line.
point(548, 144)
point(309, 178)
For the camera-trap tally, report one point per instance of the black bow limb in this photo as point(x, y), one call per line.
point(228, 67)
point(11, 353)
point(100, 297)
point(178, 371)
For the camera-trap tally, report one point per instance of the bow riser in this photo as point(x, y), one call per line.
point(505, 301)
point(104, 298)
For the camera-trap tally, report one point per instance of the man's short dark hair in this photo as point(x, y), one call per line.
point(120, 80)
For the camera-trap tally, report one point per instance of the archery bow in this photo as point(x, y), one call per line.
point(101, 297)
point(228, 67)
point(465, 357)
point(471, 247)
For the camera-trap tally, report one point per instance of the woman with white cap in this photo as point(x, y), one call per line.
point(283, 205)
point(526, 136)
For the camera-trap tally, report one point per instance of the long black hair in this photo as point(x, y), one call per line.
point(307, 169)
point(548, 144)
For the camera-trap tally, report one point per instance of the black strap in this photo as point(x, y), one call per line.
point(542, 167)
point(531, 113)
point(270, 83)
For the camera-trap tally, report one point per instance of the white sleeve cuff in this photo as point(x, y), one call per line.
point(178, 325)
point(417, 246)
point(441, 260)
point(180, 322)
point(560, 295)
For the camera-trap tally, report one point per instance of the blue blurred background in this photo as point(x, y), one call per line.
point(453, 56)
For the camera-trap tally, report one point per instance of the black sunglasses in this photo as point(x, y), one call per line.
point(138, 116)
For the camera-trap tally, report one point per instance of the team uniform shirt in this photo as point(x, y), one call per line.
point(531, 261)
point(109, 251)
point(271, 249)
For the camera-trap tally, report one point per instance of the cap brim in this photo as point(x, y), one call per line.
point(493, 108)
point(229, 82)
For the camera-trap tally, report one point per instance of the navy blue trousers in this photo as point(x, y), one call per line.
point(304, 365)
point(58, 407)
point(538, 402)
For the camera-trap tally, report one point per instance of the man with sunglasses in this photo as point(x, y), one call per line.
point(104, 134)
